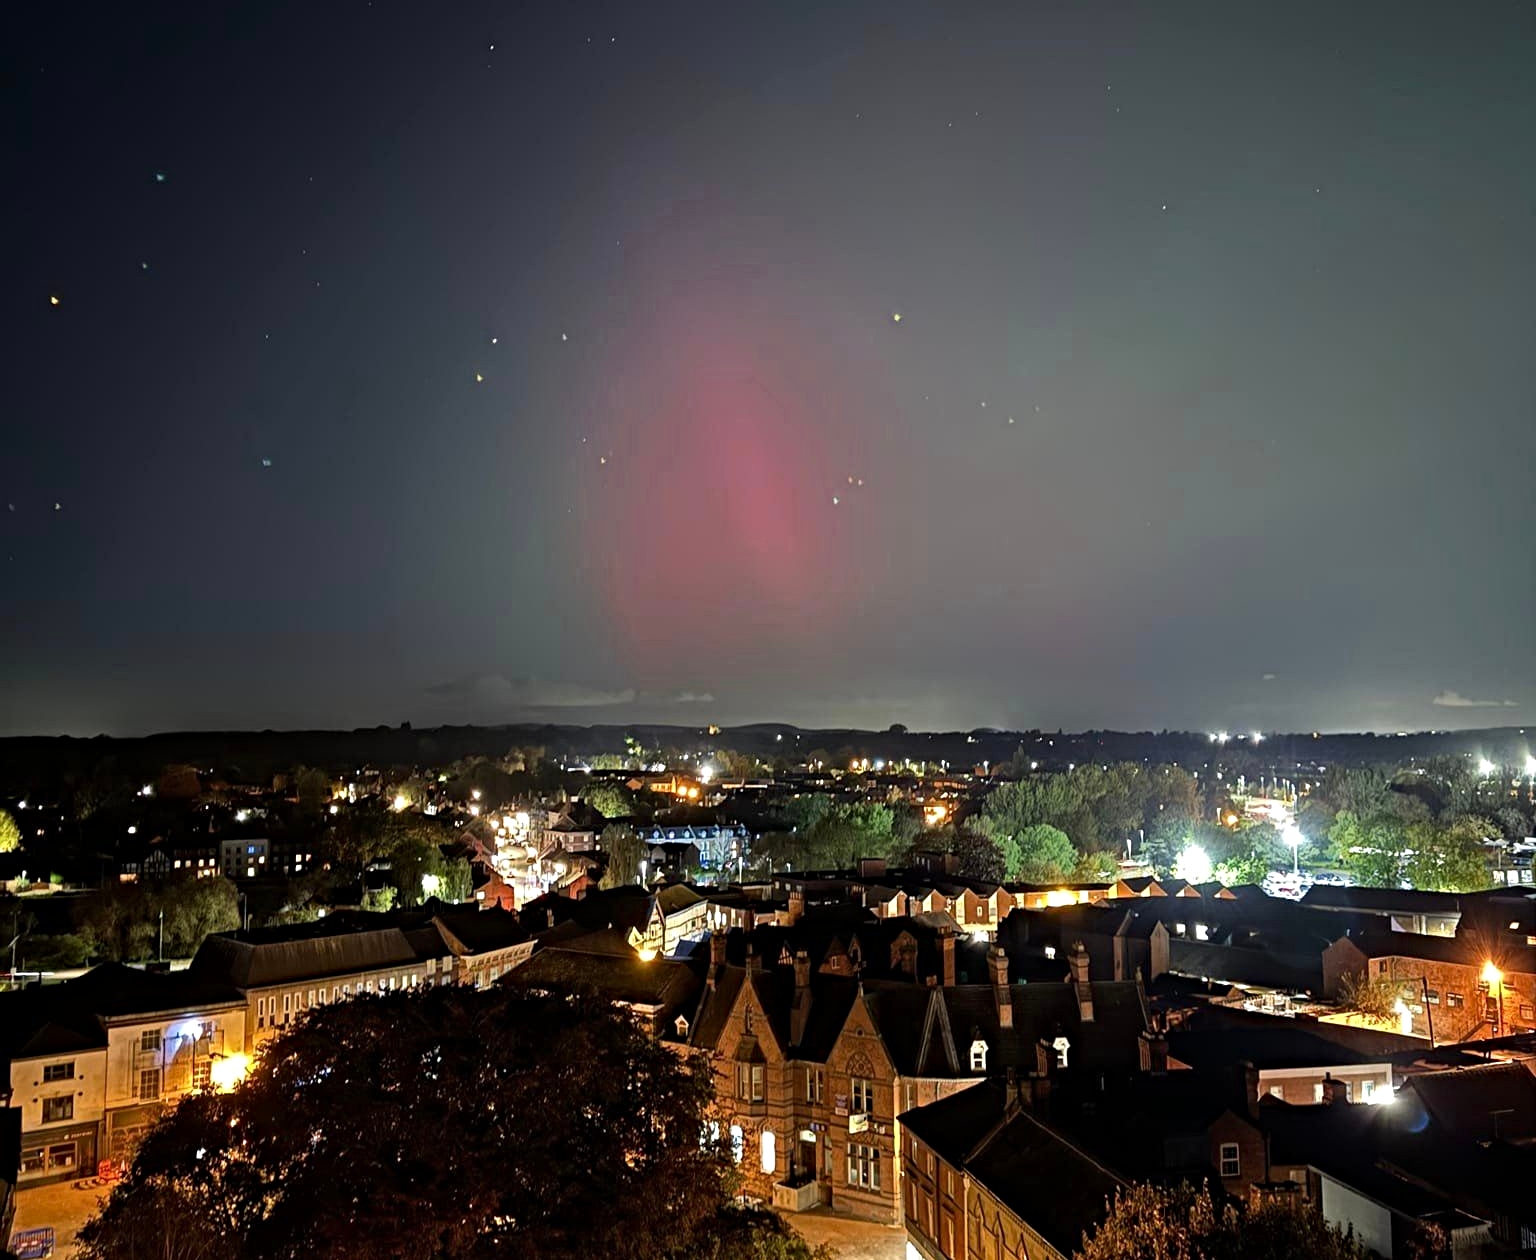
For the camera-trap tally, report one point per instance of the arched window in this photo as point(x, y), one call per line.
point(770, 1158)
point(978, 1055)
point(738, 1144)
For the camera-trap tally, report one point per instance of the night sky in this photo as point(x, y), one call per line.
point(465, 362)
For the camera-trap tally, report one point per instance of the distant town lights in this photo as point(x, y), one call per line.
point(1485, 767)
point(401, 802)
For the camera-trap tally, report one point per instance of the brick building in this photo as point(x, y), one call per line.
point(1453, 989)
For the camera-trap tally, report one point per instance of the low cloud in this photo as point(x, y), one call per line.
point(498, 691)
point(690, 697)
point(1455, 700)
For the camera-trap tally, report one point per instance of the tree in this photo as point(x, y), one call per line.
point(10, 833)
point(1449, 858)
point(1148, 1222)
point(611, 800)
point(1045, 855)
point(624, 851)
point(1375, 997)
point(341, 1144)
point(1373, 850)
point(313, 789)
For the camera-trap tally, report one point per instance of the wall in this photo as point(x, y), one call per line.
point(1299, 1086)
point(65, 1148)
point(1346, 1209)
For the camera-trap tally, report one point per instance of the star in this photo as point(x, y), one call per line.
point(835, 500)
point(1165, 205)
point(53, 299)
point(58, 507)
point(1010, 419)
point(895, 317)
point(563, 337)
point(159, 177)
point(983, 402)
point(266, 463)
point(143, 266)
point(494, 340)
point(478, 378)
point(602, 459)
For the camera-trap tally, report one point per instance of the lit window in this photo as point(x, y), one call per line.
point(978, 1055)
point(1202, 932)
point(1050, 952)
point(1453, 1000)
point(149, 1041)
point(738, 1143)
point(1231, 1163)
point(768, 1153)
point(149, 1084)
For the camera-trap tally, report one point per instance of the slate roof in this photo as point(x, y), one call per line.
point(672, 986)
point(1465, 1102)
point(1052, 1186)
point(267, 956)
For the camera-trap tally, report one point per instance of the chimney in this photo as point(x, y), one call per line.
point(796, 905)
point(754, 963)
point(1081, 984)
point(1334, 1091)
point(716, 950)
point(800, 1011)
point(1153, 1048)
point(1250, 1088)
point(906, 958)
point(997, 965)
point(947, 956)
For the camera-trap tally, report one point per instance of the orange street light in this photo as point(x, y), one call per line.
point(1491, 974)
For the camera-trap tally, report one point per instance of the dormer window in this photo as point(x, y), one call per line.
point(682, 1026)
point(1050, 953)
point(978, 1055)
point(1061, 1045)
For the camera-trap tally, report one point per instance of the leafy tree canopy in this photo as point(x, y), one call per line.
point(443, 1124)
point(1184, 1223)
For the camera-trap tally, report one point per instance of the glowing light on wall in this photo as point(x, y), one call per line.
point(229, 1071)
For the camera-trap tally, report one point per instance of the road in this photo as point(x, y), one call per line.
point(66, 1206)
point(850, 1239)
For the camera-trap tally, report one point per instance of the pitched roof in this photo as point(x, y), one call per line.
point(339, 945)
point(1048, 1183)
point(663, 983)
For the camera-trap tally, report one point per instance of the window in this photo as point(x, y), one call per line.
point(1277, 1091)
point(1180, 929)
point(863, 1095)
point(1050, 952)
point(909, 1095)
point(202, 1074)
point(738, 1143)
point(1432, 996)
point(1317, 1092)
point(149, 1084)
point(149, 1041)
point(749, 1082)
point(1381, 966)
point(1231, 1163)
point(1527, 1011)
point(815, 1082)
point(768, 1158)
point(1454, 1000)
point(978, 1055)
point(59, 1071)
point(949, 1234)
point(56, 1109)
point(1367, 1088)
point(63, 1155)
point(681, 1024)
point(863, 1166)
point(1202, 932)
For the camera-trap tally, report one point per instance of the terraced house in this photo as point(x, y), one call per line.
point(812, 1069)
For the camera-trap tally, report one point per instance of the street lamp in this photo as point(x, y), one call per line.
point(1293, 837)
point(1494, 979)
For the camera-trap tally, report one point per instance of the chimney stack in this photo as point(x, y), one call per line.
point(1334, 1091)
point(947, 956)
point(1081, 984)
point(997, 965)
point(800, 1010)
point(906, 958)
point(716, 950)
point(796, 905)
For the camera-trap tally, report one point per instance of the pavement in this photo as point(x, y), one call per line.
point(850, 1239)
point(66, 1206)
